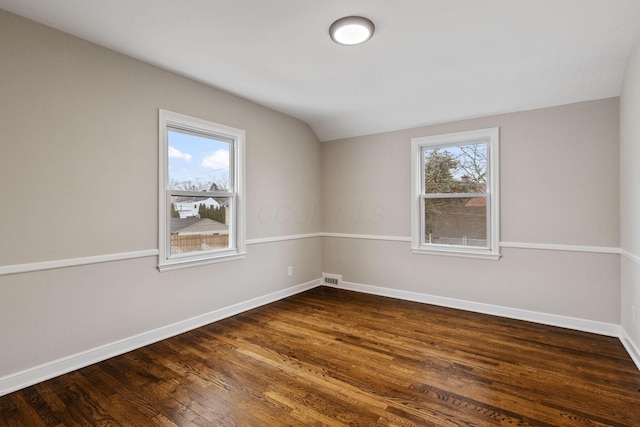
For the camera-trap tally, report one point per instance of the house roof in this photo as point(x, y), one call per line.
point(428, 62)
point(178, 224)
point(210, 201)
point(197, 226)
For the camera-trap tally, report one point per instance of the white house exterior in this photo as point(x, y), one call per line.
point(189, 208)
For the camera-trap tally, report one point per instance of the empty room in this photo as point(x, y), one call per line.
point(320, 213)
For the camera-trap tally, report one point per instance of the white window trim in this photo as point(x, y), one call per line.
point(238, 220)
point(417, 207)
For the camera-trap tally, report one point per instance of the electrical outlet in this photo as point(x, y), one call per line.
point(290, 271)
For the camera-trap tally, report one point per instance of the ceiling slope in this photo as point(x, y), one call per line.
point(429, 61)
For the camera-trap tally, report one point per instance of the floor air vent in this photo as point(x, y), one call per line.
point(331, 279)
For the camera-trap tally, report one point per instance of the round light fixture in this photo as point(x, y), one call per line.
point(351, 30)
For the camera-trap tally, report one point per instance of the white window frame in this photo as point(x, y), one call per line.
point(418, 243)
point(237, 249)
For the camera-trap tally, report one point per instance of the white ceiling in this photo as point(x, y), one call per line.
point(429, 61)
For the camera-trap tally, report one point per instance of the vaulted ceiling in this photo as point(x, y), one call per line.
point(429, 61)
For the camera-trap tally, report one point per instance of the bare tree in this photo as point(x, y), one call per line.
point(199, 184)
point(472, 163)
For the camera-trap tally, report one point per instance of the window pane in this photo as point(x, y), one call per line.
point(460, 169)
point(198, 162)
point(199, 224)
point(457, 221)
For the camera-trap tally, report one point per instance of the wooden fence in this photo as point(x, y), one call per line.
point(181, 244)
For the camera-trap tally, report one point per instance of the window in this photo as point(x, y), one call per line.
point(455, 208)
point(201, 206)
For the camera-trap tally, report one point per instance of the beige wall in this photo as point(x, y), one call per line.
point(630, 196)
point(559, 186)
point(78, 178)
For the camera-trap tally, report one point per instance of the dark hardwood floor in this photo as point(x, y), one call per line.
point(336, 358)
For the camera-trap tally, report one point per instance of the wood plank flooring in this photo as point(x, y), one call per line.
point(330, 357)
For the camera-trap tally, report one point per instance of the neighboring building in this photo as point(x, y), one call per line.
point(197, 234)
point(197, 226)
point(463, 223)
point(189, 208)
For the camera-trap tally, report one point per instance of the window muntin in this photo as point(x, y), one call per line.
point(201, 188)
point(455, 194)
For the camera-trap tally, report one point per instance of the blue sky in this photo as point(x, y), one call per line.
point(197, 158)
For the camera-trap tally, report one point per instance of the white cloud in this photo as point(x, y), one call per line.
point(174, 152)
point(217, 160)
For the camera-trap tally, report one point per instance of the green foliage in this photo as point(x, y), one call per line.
point(174, 212)
point(218, 213)
point(438, 172)
point(448, 173)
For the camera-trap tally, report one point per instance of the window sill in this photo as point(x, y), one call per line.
point(461, 253)
point(176, 265)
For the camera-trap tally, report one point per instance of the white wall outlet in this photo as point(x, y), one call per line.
point(290, 271)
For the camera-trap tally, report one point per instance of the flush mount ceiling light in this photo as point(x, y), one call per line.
point(351, 30)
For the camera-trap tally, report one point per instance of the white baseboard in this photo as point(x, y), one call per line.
point(58, 367)
point(601, 328)
point(631, 348)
